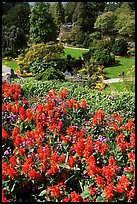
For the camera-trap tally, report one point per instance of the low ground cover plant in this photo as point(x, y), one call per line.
point(122, 103)
point(58, 150)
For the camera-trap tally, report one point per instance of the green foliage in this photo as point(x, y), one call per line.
point(103, 57)
point(18, 16)
point(105, 22)
point(42, 26)
point(125, 23)
point(100, 51)
point(122, 102)
point(39, 67)
point(129, 80)
point(41, 52)
point(69, 10)
point(50, 74)
point(13, 39)
point(59, 14)
point(98, 45)
point(120, 47)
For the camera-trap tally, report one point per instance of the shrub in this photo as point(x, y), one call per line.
point(103, 57)
point(120, 47)
point(98, 45)
point(50, 74)
point(40, 52)
point(39, 67)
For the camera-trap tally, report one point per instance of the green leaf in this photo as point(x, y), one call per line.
point(13, 187)
point(100, 199)
point(42, 193)
point(85, 193)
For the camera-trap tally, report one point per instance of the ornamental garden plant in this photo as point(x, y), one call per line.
point(58, 150)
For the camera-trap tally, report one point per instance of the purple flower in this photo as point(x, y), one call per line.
point(6, 152)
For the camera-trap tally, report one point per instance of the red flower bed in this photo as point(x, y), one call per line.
point(56, 151)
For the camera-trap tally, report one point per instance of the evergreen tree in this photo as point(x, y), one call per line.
point(18, 16)
point(59, 14)
point(42, 26)
point(69, 10)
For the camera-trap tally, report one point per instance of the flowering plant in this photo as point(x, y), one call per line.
point(60, 151)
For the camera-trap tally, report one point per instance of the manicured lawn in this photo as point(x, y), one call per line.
point(11, 64)
point(124, 65)
point(118, 86)
point(74, 52)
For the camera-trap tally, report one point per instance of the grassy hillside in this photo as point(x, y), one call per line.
point(124, 65)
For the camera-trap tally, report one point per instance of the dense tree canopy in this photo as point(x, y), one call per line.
point(105, 22)
point(125, 23)
point(42, 26)
point(18, 16)
point(59, 14)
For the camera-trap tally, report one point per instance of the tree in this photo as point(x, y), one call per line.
point(105, 22)
point(42, 26)
point(84, 16)
point(125, 23)
point(13, 39)
point(69, 10)
point(59, 14)
point(18, 16)
point(6, 6)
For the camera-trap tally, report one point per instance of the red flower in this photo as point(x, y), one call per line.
point(129, 125)
point(122, 184)
point(132, 139)
point(71, 161)
point(4, 199)
point(99, 115)
point(22, 113)
point(100, 182)
point(71, 103)
point(63, 93)
point(103, 148)
point(53, 170)
point(76, 197)
point(3, 107)
point(32, 174)
point(92, 190)
point(55, 191)
point(12, 160)
point(9, 107)
point(131, 156)
point(83, 103)
point(114, 127)
point(108, 190)
point(12, 173)
point(21, 151)
point(5, 135)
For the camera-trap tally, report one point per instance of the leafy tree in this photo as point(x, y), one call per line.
point(14, 38)
point(42, 26)
point(125, 23)
point(18, 16)
point(112, 6)
point(84, 16)
point(69, 10)
point(59, 14)
point(105, 22)
point(6, 6)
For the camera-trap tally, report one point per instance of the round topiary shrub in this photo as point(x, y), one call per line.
point(120, 47)
point(103, 57)
point(50, 74)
